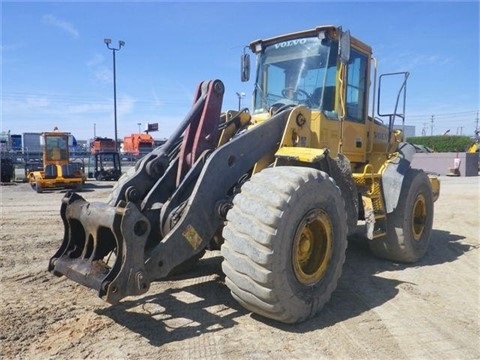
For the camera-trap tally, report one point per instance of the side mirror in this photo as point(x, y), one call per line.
point(245, 70)
point(344, 46)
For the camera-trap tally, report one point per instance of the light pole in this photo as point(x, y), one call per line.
point(139, 126)
point(240, 96)
point(114, 50)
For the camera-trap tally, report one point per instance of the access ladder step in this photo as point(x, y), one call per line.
point(379, 233)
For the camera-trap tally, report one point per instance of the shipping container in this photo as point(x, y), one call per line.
point(16, 141)
point(138, 144)
point(31, 143)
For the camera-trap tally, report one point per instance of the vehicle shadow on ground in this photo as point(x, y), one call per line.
point(444, 247)
point(362, 286)
point(205, 304)
point(181, 312)
point(89, 186)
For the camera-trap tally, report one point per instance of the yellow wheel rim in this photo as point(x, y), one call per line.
point(312, 247)
point(419, 216)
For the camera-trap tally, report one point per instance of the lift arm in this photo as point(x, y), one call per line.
point(129, 226)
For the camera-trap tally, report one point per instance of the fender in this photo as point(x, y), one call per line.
point(394, 170)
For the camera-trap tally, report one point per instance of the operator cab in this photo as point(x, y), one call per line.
point(302, 69)
point(324, 69)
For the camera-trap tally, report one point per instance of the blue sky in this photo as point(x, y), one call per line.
point(57, 71)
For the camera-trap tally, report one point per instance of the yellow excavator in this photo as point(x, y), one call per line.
point(277, 188)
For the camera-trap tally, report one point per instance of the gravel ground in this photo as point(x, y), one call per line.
point(380, 310)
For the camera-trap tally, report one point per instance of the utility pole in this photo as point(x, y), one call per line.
point(424, 129)
point(431, 125)
point(476, 124)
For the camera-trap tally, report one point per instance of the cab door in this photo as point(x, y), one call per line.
point(356, 97)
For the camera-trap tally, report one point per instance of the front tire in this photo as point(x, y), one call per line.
point(409, 226)
point(285, 243)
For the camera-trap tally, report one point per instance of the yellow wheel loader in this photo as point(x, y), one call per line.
point(58, 171)
point(277, 189)
point(475, 145)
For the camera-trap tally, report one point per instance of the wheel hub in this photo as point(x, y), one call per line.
point(312, 247)
point(419, 217)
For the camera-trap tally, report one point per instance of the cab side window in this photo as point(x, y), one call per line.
point(356, 86)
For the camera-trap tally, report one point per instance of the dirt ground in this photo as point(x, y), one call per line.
point(380, 310)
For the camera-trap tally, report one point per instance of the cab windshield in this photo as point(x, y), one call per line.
point(56, 147)
point(299, 71)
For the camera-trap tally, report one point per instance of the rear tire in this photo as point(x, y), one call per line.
point(35, 184)
point(38, 186)
point(409, 226)
point(79, 187)
point(285, 243)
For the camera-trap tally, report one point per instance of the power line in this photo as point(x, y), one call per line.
point(81, 100)
point(453, 114)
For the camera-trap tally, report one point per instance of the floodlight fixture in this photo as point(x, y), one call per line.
point(114, 50)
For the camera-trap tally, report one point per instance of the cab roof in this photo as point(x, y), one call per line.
point(331, 30)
